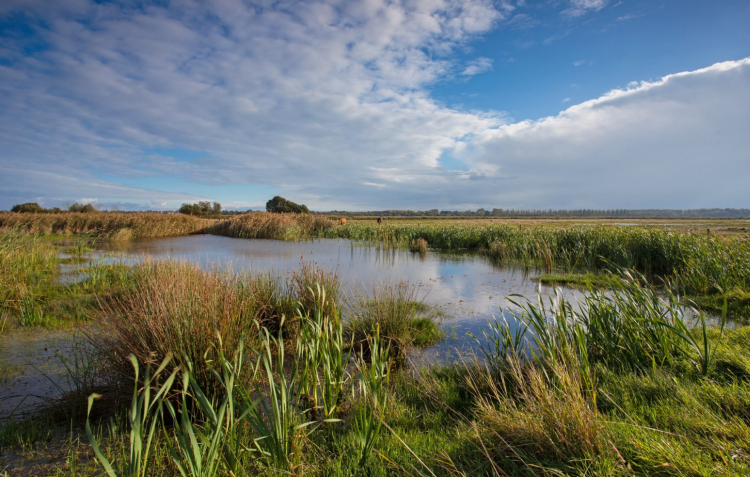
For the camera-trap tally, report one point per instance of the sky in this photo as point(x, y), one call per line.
point(372, 104)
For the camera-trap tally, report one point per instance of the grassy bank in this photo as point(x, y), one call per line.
point(30, 292)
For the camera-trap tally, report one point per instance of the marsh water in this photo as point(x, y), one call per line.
point(467, 290)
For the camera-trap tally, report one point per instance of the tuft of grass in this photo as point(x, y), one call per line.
point(418, 245)
point(179, 309)
point(396, 311)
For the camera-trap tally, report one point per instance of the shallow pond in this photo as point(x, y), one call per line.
point(468, 288)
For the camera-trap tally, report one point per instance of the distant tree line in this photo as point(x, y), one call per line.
point(33, 207)
point(661, 213)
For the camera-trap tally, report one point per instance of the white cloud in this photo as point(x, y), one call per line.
point(579, 8)
point(628, 16)
point(477, 66)
point(678, 142)
point(288, 94)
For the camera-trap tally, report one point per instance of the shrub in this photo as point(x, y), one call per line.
point(28, 207)
point(86, 209)
point(280, 205)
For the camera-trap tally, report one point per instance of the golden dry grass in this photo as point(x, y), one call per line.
point(118, 226)
point(274, 226)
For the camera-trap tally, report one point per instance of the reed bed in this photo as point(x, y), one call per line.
point(702, 262)
point(274, 226)
point(624, 383)
point(116, 226)
point(170, 308)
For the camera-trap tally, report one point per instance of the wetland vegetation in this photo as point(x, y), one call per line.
point(221, 372)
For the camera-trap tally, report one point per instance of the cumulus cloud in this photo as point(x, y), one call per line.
point(677, 142)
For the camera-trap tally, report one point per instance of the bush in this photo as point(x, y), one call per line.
point(86, 209)
point(28, 207)
point(280, 205)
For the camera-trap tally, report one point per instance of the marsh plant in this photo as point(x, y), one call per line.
point(396, 310)
point(143, 418)
point(372, 391)
point(206, 435)
point(418, 245)
point(321, 350)
point(632, 328)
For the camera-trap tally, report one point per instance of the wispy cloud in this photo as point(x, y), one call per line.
point(578, 8)
point(628, 16)
point(522, 21)
point(477, 66)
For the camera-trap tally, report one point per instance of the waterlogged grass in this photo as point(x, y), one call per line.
point(395, 309)
point(267, 381)
point(700, 264)
point(580, 280)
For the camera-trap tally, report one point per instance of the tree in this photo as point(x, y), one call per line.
point(280, 205)
point(28, 207)
point(86, 209)
point(201, 209)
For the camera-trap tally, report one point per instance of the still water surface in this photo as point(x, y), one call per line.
point(468, 288)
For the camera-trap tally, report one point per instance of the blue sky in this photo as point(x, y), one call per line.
point(374, 105)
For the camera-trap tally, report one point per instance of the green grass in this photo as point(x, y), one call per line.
point(393, 308)
point(580, 280)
